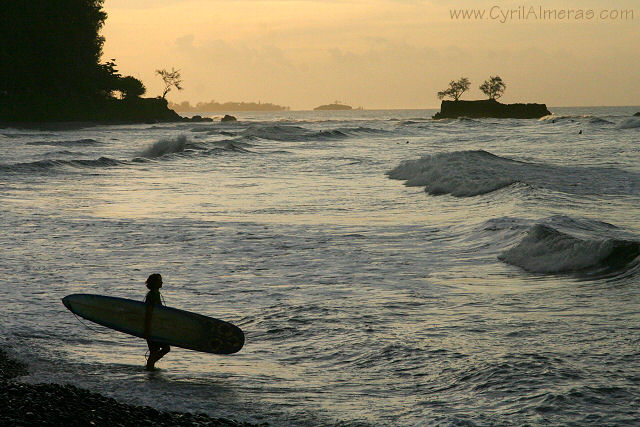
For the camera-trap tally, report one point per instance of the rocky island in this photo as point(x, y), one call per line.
point(490, 108)
point(494, 88)
point(335, 106)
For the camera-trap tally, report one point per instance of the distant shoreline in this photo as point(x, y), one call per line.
point(225, 107)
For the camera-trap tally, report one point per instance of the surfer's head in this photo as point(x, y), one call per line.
point(154, 281)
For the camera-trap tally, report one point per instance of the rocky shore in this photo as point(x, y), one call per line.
point(57, 405)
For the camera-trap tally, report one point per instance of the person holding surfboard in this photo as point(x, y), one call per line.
point(156, 350)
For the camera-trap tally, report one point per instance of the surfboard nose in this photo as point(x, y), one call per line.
point(66, 303)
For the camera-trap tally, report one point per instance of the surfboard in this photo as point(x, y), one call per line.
point(169, 325)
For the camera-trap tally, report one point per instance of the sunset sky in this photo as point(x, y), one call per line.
point(376, 53)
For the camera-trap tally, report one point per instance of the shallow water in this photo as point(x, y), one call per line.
point(499, 286)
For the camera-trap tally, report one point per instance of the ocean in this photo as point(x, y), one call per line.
point(387, 269)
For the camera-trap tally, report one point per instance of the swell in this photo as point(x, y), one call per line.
point(298, 133)
point(72, 143)
point(45, 165)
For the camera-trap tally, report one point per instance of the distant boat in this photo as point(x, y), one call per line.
point(335, 106)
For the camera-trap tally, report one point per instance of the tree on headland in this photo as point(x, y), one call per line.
point(130, 87)
point(456, 89)
point(112, 81)
point(50, 63)
point(49, 53)
point(494, 87)
point(171, 79)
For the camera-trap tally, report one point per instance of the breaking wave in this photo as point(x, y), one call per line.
point(631, 123)
point(472, 173)
point(547, 250)
point(165, 146)
point(181, 144)
point(461, 174)
point(554, 118)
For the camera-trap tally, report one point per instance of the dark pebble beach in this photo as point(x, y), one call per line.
point(65, 405)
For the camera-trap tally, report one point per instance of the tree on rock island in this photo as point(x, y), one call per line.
point(494, 87)
point(456, 89)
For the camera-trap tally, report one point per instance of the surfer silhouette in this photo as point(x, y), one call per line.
point(156, 350)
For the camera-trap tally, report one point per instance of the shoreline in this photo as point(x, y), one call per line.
point(56, 404)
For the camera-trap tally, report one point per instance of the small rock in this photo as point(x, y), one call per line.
point(228, 118)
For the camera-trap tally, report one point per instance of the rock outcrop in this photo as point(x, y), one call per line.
point(490, 108)
point(197, 118)
point(228, 118)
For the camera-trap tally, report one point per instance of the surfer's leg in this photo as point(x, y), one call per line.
point(163, 351)
point(154, 351)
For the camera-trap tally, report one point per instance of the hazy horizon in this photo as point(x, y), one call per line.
point(381, 54)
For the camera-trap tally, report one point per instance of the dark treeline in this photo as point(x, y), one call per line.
point(50, 67)
point(226, 106)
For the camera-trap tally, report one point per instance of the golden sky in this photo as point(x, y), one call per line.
point(379, 53)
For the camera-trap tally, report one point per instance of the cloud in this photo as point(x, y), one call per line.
point(377, 53)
